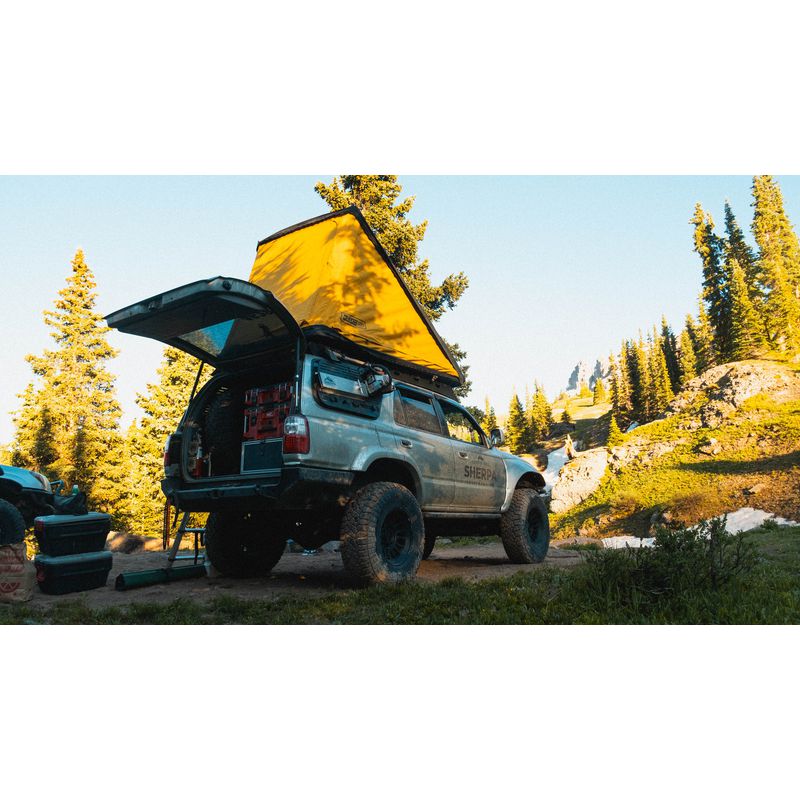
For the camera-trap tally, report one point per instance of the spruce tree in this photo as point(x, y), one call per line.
point(615, 436)
point(687, 362)
point(747, 335)
point(715, 278)
point(670, 347)
point(516, 426)
point(659, 389)
point(566, 415)
point(624, 407)
point(77, 395)
point(162, 407)
point(778, 264)
point(584, 391)
point(702, 339)
point(600, 394)
point(490, 420)
point(542, 414)
point(737, 248)
point(640, 378)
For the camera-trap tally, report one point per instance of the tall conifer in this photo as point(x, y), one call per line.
point(715, 278)
point(79, 396)
point(747, 335)
point(687, 362)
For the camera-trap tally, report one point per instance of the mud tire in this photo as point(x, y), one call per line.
point(525, 527)
point(382, 534)
point(241, 545)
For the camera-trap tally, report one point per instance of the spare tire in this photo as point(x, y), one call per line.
point(223, 432)
point(12, 524)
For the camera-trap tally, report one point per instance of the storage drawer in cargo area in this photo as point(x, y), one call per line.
point(78, 573)
point(66, 534)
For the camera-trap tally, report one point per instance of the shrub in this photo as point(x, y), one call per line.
point(684, 561)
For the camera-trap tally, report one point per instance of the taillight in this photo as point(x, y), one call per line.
point(172, 455)
point(296, 438)
point(166, 452)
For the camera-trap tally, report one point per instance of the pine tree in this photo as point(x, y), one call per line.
point(747, 336)
point(639, 378)
point(702, 339)
point(615, 436)
point(687, 362)
point(162, 405)
point(79, 412)
point(516, 426)
point(624, 408)
point(670, 348)
point(737, 248)
point(715, 278)
point(778, 264)
point(541, 415)
point(490, 420)
point(584, 390)
point(660, 389)
point(600, 395)
point(566, 416)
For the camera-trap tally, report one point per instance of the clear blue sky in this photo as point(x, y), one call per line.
point(560, 268)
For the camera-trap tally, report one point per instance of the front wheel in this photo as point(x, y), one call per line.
point(382, 534)
point(241, 545)
point(525, 527)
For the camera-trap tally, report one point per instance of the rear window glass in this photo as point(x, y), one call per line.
point(234, 338)
point(418, 412)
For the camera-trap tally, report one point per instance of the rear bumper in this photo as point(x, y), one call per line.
point(298, 489)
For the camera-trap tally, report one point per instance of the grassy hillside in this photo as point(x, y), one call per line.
point(751, 459)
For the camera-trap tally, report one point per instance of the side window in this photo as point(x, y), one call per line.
point(416, 411)
point(459, 425)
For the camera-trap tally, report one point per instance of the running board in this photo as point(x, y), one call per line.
point(458, 515)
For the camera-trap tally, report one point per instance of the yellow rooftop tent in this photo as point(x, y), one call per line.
point(331, 272)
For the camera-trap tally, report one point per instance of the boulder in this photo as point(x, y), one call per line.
point(578, 479)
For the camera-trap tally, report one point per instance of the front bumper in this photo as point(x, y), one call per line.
point(297, 489)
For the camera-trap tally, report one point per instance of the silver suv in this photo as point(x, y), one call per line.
point(297, 436)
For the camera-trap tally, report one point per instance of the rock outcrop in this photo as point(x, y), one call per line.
point(578, 479)
point(723, 389)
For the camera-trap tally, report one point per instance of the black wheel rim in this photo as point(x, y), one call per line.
point(395, 538)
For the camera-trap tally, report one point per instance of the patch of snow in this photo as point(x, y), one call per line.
point(745, 519)
point(555, 461)
point(621, 542)
point(632, 427)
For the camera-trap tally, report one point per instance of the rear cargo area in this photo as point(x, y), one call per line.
point(236, 427)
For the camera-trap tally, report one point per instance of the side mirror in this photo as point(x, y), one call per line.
point(496, 437)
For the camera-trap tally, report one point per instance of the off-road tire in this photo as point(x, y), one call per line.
point(430, 543)
point(223, 432)
point(241, 545)
point(382, 534)
point(525, 527)
point(12, 524)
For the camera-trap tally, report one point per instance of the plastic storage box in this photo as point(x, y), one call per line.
point(65, 534)
point(77, 573)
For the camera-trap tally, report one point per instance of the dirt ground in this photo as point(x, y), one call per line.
point(317, 574)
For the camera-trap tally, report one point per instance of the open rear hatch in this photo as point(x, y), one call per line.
point(219, 320)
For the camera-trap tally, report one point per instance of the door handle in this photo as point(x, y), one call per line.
point(462, 454)
point(405, 442)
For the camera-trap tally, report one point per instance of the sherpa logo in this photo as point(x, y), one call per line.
point(353, 322)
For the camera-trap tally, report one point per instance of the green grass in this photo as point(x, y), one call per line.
point(769, 593)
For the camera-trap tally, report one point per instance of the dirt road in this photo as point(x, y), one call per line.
point(317, 574)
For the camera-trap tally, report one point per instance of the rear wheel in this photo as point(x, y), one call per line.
point(525, 527)
point(12, 524)
point(241, 545)
point(430, 542)
point(382, 534)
